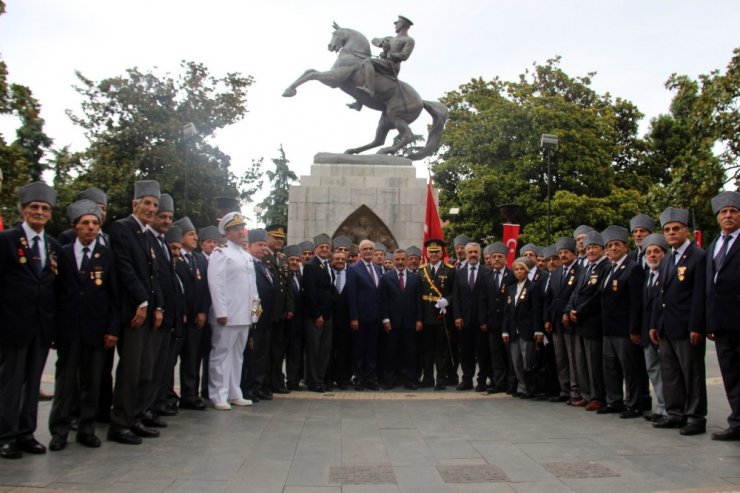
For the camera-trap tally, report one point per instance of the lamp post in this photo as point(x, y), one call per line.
point(549, 143)
point(188, 133)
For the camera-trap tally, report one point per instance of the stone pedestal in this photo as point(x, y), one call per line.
point(330, 200)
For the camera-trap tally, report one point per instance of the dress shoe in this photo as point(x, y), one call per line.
point(559, 398)
point(610, 410)
point(542, 397)
point(411, 386)
point(294, 386)
point(31, 446)
point(578, 402)
point(496, 390)
point(359, 387)
point(426, 384)
point(630, 413)
point(728, 435)
point(319, 389)
point(139, 429)
point(372, 385)
point(514, 394)
point(57, 443)
point(241, 402)
point(194, 404)
point(342, 385)
point(167, 410)
point(252, 397)
point(666, 422)
point(440, 386)
point(88, 440)
point(280, 390)
point(481, 387)
point(594, 406)
point(262, 395)
point(464, 385)
point(328, 387)
point(693, 429)
point(11, 450)
point(524, 395)
point(153, 421)
point(123, 436)
point(222, 406)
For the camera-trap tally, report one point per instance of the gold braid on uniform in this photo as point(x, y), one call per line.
point(433, 286)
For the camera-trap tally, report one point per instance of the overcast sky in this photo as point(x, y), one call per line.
point(633, 46)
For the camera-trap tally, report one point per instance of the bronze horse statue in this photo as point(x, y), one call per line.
point(397, 101)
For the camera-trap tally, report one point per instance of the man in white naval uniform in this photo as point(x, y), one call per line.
point(235, 307)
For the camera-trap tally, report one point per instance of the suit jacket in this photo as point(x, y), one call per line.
point(195, 284)
point(523, 316)
point(586, 301)
point(266, 290)
point(649, 298)
point(27, 299)
point(621, 300)
point(493, 299)
point(317, 289)
point(402, 308)
point(723, 296)
point(560, 292)
point(363, 297)
point(465, 301)
point(682, 305)
point(137, 271)
point(277, 265)
point(173, 298)
point(88, 305)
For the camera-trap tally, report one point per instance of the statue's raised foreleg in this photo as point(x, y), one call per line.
point(384, 126)
point(404, 131)
point(332, 78)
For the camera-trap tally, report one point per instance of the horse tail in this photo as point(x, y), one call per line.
point(439, 114)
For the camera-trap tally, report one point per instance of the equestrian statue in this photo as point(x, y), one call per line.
point(373, 82)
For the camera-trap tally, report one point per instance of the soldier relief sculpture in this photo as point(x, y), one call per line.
point(373, 82)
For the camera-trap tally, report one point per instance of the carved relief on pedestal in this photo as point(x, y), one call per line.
point(363, 224)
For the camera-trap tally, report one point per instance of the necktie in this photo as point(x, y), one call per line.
point(339, 283)
point(587, 273)
point(651, 281)
point(672, 262)
point(564, 276)
point(720, 258)
point(471, 279)
point(400, 280)
point(371, 270)
point(191, 262)
point(434, 272)
point(611, 273)
point(85, 264)
point(497, 279)
point(297, 282)
point(164, 247)
point(36, 255)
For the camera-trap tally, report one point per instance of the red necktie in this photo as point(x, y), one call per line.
point(400, 280)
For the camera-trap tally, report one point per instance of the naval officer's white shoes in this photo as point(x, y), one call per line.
point(222, 406)
point(241, 402)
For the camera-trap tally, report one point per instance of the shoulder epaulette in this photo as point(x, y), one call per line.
point(423, 265)
point(449, 265)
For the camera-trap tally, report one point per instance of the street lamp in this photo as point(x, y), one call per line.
point(549, 143)
point(188, 133)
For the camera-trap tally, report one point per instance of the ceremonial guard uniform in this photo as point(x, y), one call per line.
point(277, 265)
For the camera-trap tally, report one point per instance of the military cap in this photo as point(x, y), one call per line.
point(174, 235)
point(529, 247)
point(526, 261)
point(488, 250)
point(230, 204)
point(413, 251)
point(582, 229)
point(95, 194)
point(255, 235)
point(615, 233)
point(565, 243)
point(433, 245)
point(550, 251)
point(37, 191)
point(185, 224)
point(166, 203)
point(342, 241)
point(210, 233)
point(276, 230)
point(461, 240)
point(229, 220)
point(499, 247)
point(656, 239)
point(81, 208)
point(673, 214)
point(380, 247)
point(406, 20)
point(322, 239)
point(307, 246)
point(642, 221)
point(292, 251)
point(725, 199)
point(388, 255)
point(146, 188)
point(593, 238)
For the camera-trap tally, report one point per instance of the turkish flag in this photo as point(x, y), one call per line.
point(697, 237)
point(511, 237)
point(432, 225)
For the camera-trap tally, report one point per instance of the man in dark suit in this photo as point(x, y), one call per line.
point(294, 307)
point(678, 325)
point(723, 312)
point(318, 285)
point(363, 298)
point(491, 317)
point(584, 312)
point(340, 361)
point(191, 269)
point(28, 284)
point(87, 325)
point(277, 264)
point(437, 281)
point(257, 351)
point(562, 283)
point(141, 314)
point(401, 316)
point(621, 307)
point(466, 298)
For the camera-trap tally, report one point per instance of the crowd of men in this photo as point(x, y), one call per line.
point(585, 321)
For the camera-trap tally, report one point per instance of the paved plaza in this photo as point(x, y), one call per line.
point(424, 441)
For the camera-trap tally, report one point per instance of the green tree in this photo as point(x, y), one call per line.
point(492, 154)
point(137, 127)
point(275, 205)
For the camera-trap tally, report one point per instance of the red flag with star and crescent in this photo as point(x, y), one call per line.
point(432, 224)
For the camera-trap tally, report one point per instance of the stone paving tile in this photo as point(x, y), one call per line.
point(451, 448)
point(579, 469)
point(421, 479)
point(362, 474)
point(312, 489)
point(486, 473)
point(515, 463)
point(484, 488)
point(196, 486)
point(407, 447)
point(370, 488)
point(551, 486)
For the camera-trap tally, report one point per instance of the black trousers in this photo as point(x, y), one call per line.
point(165, 346)
point(365, 351)
point(294, 351)
point(278, 345)
point(77, 386)
point(500, 357)
point(622, 364)
point(727, 344)
point(483, 355)
point(400, 345)
point(204, 354)
point(684, 379)
point(590, 368)
point(436, 353)
point(318, 350)
point(20, 378)
point(105, 398)
point(340, 359)
point(467, 338)
point(190, 346)
point(256, 359)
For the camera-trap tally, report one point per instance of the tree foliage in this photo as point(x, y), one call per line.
point(275, 205)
